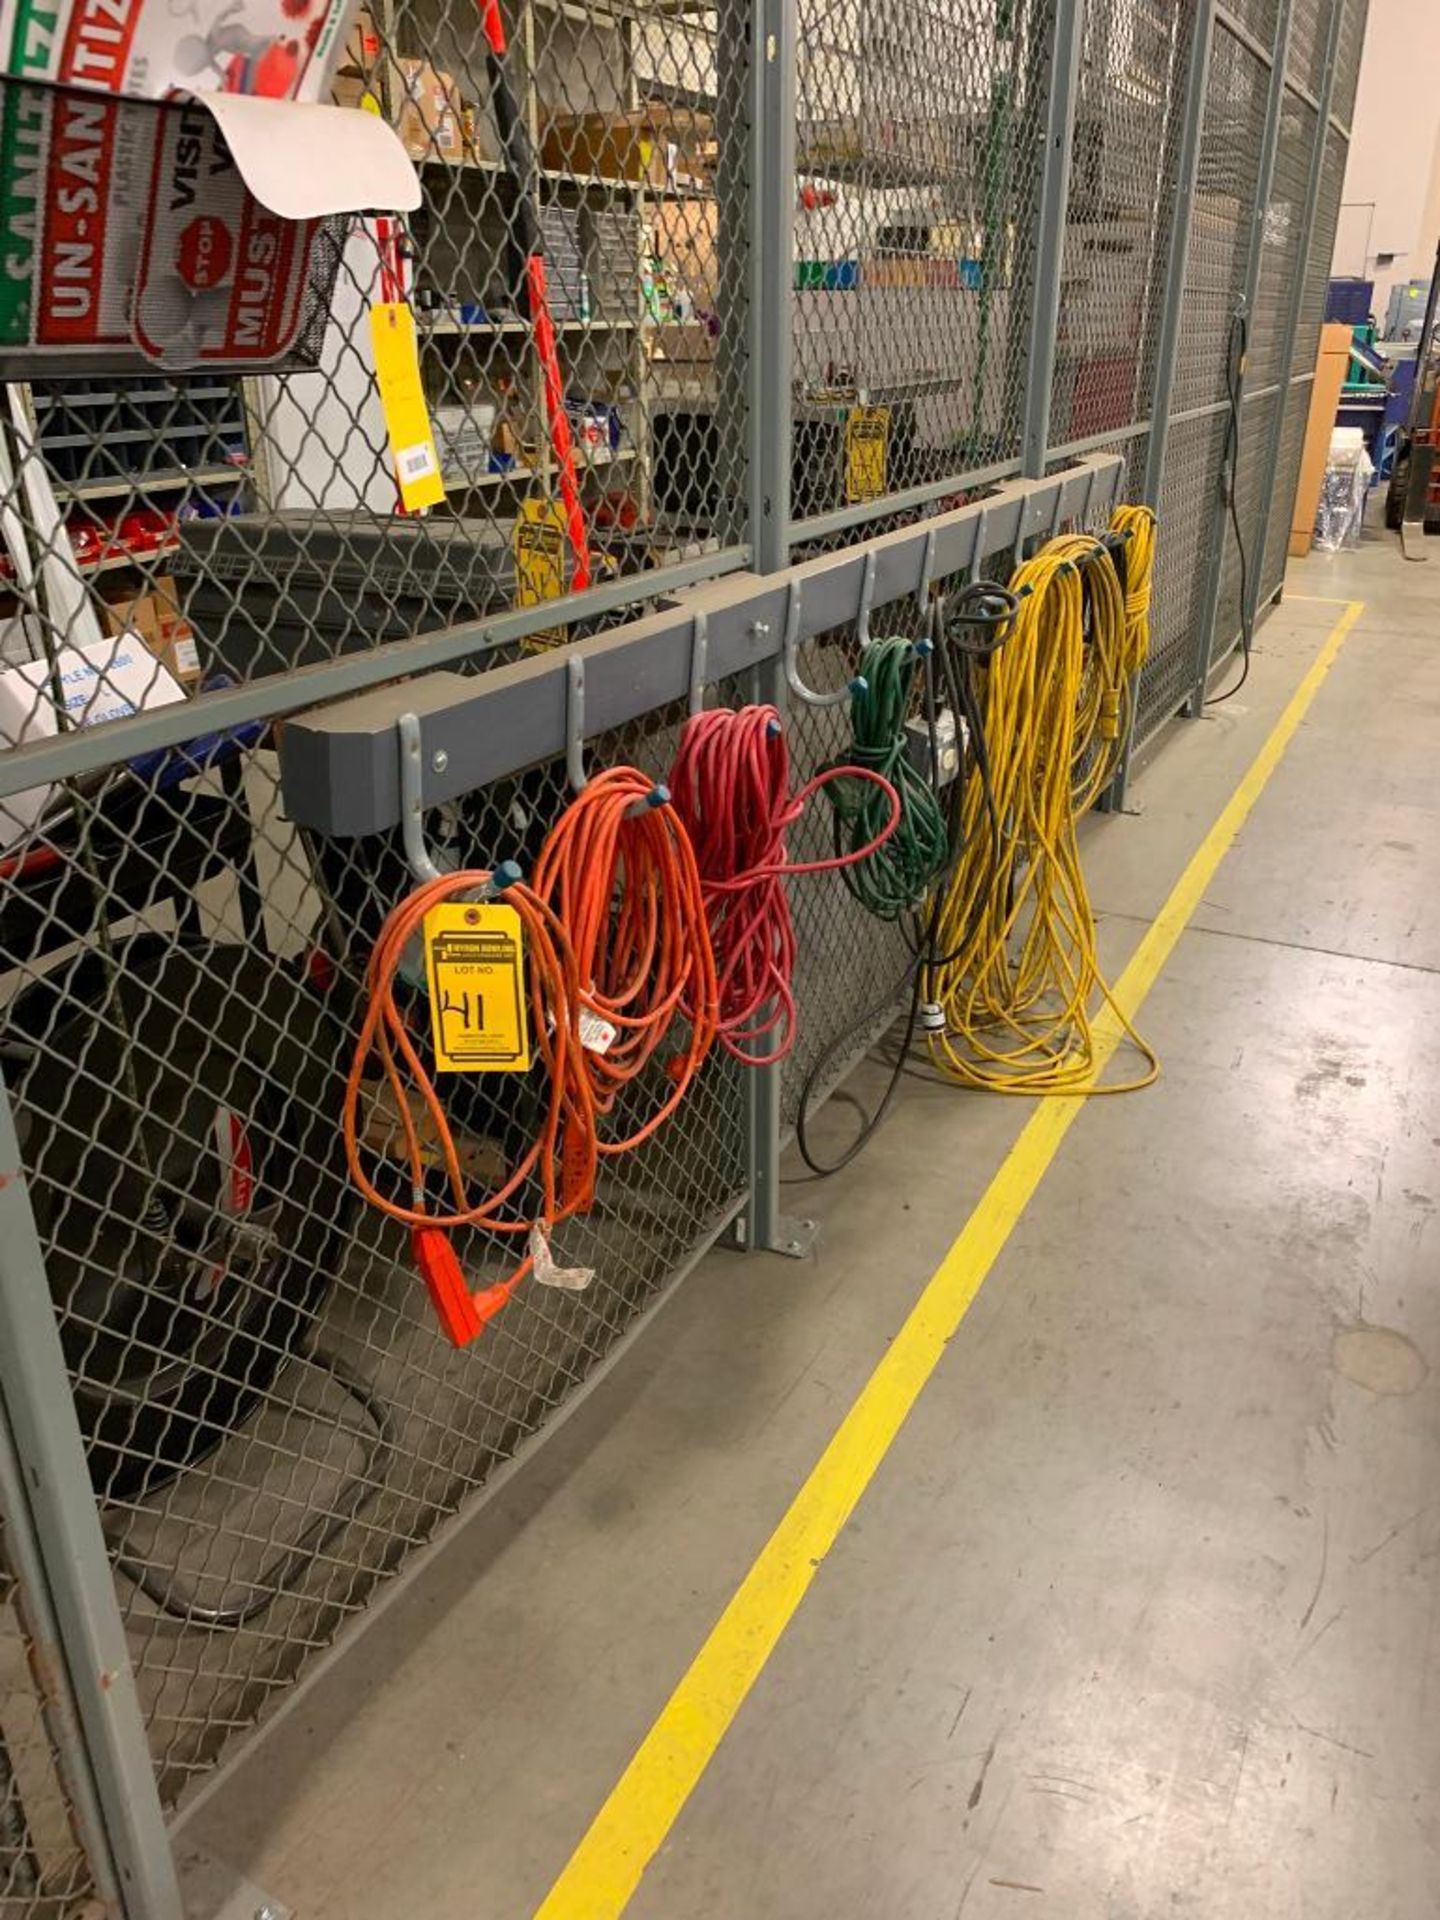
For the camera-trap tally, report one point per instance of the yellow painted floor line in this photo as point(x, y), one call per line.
point(605, 1869)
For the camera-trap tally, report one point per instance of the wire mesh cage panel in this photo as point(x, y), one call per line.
point(579, 292)
point(918, 148)
point(43, 1868)
point(1220, 222)
point(1295, 400)
point(1258, 18)
point(1280, 258)
point(1327, 214)
point(273, 1420)
point(1118, 217)
point(1182, 564)
point(1305, 57)
point(1251, 512)
point(853, 968)
point(1347, 59)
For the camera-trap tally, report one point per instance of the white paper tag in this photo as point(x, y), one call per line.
point(571, 1279)
point(596, 1034)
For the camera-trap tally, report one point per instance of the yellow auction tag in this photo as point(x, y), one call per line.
point(867, 435)
point(475, 969)
point(538, 545)
point(402, 401)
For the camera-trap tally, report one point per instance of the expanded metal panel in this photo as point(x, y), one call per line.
point(1317, 271)
point(1220, 220)
point(273, 1419)
point(919, 144)
point(1118, 216)
point(1287, 473)
point(273, 503)
point(42, 1866)
point(1280, 259)
point(1347, 59)
point(852, 970)
point(1188, 514)
point(1251, 510)
point(1257, 17)
point(1309, 26)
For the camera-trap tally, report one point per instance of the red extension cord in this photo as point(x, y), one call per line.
point(731, 791)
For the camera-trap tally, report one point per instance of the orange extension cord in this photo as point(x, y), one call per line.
point(618, 871)
point(617, 952)
point(563, 1153)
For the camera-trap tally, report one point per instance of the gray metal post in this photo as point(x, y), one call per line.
point(24, 1564)
point(772, 277)
point(40, 1415)
point(1066, 53)
point(1270, 141)
point(1291, 328)
point(1177, 265)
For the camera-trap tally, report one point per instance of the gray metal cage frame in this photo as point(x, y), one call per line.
point(1157, 175)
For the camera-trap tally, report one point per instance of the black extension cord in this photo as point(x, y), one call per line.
point(1238, 348)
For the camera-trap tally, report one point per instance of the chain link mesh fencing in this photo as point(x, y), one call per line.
point(272, 1423)
point(919, 150)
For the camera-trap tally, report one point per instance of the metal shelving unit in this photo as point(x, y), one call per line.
point(605, 357)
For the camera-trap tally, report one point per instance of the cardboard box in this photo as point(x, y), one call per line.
point(173, 638)
point(1331, 366)
point(657, 144)
point(687, 343)
point(155, 616)
point(354, 90)
point(687, 241)
point(103, 680)
point(430, 121)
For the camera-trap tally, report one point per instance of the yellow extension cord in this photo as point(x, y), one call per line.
point(1021, 967)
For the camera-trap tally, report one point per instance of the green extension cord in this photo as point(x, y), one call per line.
point(895, 878)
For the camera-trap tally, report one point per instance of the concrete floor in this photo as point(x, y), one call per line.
point(1139, 1616)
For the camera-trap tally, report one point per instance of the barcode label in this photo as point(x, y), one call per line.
point(416, 463)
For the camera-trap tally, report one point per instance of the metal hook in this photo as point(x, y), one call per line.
point(977, 552)
point(575, 723)
point(867, 600)
point(659, 794)
point(930, 611)
point(927, 567)
point(1017, 552)
point(1089, 493)
point(1057, 515)
point(699, 650)
point(412, 829)
point(791, 651)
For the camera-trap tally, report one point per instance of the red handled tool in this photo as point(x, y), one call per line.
point(520, 164)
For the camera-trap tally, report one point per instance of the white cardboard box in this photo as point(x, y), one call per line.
point(104, 680)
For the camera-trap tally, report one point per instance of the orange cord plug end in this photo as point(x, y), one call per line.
point(444, 1279)
point(486, 1304)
